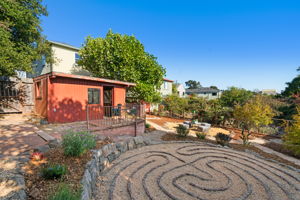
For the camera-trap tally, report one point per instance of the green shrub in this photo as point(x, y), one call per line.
point(182, 130)
point(54, 171)
point(268, 130)
point(201, 135)
point(77, 143)
point(147, 125)
point(292, 138)
point(222, 139)
point(65, 193)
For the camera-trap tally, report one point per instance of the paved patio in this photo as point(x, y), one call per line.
point(196, 171)
point(17, 135)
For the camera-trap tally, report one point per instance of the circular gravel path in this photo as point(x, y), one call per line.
point(196, 171)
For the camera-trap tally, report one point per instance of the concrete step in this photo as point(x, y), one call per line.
point(45, 136)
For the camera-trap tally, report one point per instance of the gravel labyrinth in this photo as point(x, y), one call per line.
point(196, 171)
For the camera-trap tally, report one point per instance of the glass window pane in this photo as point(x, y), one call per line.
point(96, 96)
point(90, 96)
point(93, 96)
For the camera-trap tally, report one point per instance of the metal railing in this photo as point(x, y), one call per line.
point(102, 117)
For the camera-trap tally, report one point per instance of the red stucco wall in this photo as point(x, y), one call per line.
point(64, 99)
point(67, 98)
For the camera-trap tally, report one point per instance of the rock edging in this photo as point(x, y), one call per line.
point(102, 159)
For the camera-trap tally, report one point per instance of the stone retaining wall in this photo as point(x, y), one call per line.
point(102, 158)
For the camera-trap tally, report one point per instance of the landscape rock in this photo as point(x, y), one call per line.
point(111, 157)
point(122, 146)
point(106, 150)
point(138, 141)
point(42, 149)
point(54, 143)
point(131, 144)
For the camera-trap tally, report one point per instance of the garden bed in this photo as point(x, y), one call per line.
point(172, 124)
point(254, 135)
point(38, 188)
point(161, 121)
point(239, 147)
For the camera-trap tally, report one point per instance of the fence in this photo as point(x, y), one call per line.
point(102, 117)
point(16, 95)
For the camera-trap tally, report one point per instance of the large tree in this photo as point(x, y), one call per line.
point(253, 114)
point(293, 87)
point(234, 95)
point(123, 57)
point(214, 87)
point(175, 104)
point(192, 84)
point(292, 138)
point(21, 41)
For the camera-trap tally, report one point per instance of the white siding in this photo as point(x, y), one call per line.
point(181, 90)
point(166, 88)
point(65, 61)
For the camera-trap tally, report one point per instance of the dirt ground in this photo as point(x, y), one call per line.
point(171, 124)
point(253, 135)
point(162, 120)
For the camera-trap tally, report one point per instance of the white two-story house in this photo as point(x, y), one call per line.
point(65, 61)
point(166, 87)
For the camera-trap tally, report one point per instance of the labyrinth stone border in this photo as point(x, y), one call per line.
point(102, 158)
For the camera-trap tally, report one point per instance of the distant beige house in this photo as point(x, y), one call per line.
point(65, 56)
point(269, 92)
point(205, 92)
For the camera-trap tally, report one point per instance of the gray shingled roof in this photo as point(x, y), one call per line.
point(201, 90)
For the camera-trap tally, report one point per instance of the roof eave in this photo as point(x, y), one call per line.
point(64, 45)
point(60, 74)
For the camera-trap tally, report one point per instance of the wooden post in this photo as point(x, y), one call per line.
point(135, 127)
point(87, 117)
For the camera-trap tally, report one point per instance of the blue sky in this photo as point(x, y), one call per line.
point(253, 44)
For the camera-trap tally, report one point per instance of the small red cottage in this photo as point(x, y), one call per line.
point(61, 97)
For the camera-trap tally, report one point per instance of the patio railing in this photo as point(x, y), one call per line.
point(102, 117)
